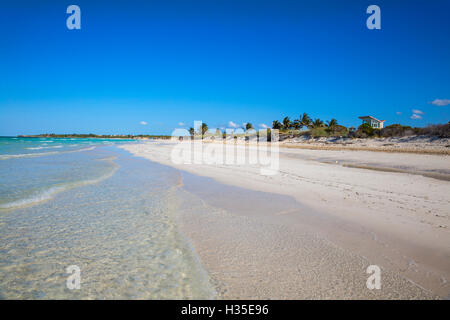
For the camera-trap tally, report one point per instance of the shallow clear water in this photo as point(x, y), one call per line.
point(114, 217)
point(29, 175)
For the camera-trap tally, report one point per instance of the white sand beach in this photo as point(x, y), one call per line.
point(343, 210)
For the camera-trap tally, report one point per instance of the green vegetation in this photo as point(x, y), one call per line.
point(398, 130)
point(276, 125)
point(318, 132)
point(204, 128)
point(304, 125)
point(365, 130)
point(304, 121)
point(287, 123)
point(202, 132)
point(317, 124)
point(317, 128)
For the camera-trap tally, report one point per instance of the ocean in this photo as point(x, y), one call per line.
point(86, 203)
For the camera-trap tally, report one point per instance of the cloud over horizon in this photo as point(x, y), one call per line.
point(232, 124)
point(440, 102)
point(143, 123)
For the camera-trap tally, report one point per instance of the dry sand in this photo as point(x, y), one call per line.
point(311, 230)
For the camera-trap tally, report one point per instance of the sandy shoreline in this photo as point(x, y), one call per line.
point(339, 219)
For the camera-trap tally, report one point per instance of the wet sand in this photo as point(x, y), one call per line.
point(311, 230)
point(257, 245)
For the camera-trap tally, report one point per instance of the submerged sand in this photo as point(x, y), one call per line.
point(311, 230)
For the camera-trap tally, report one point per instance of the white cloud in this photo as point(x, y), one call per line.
point(143, 123)
point(181, 124)
point(417, 111)
point(440, 102)
point(232, 124)
point(398, 113)
point(262, 125)
point(415, 116)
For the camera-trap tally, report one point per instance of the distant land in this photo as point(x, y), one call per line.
point(99, 136)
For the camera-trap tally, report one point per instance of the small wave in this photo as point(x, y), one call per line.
point(35, 148)
point(52, 191)
point(43, 196)
point(26, 155)
point(40, 154)
point(84, 149)
point(38, 148)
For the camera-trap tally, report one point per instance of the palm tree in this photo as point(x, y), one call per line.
point(204, 128)
point(297, 124)
point(276, 125)
point(191, 131)
point(286, 123)
point(317, 123)
point(248, 126)
point(305, 120)
point(332, 124)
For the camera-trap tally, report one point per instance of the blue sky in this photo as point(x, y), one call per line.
point(170, 62)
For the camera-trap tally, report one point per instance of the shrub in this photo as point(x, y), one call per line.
point(319, 132)
point(339, 131)
point(397, 130)
point(438, 130)
point(364, 131)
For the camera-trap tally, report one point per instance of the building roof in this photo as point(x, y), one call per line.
point(364, 117)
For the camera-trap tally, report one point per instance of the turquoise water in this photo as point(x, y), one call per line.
point(36, 169)
point(92, 205)
point(14, 147)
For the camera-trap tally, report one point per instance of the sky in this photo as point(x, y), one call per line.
point(148, 67)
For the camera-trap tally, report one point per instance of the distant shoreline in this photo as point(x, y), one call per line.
point(93, 136)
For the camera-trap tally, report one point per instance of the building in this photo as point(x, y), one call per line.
point(373, 122)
